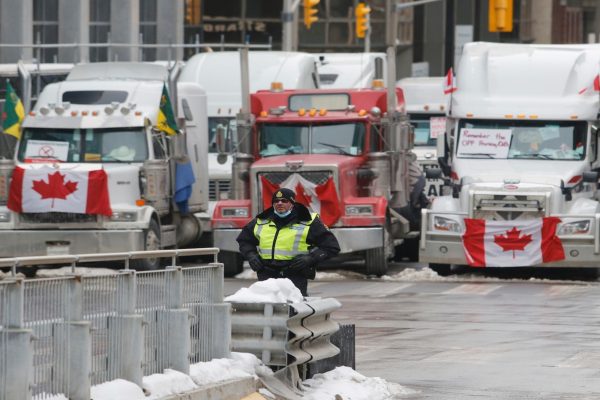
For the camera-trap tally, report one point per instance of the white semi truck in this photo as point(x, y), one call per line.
point(103, 119)
point(522, 144)
point(426, 106)
point(218, 73)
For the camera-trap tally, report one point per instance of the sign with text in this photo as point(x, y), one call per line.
point(437, 126)
point(492, 142)
point(46, 149)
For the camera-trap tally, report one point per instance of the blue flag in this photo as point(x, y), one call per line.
point(184, 179)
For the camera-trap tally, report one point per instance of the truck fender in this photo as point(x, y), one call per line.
point(582, 206)
point(446, 204)
point(147, 214)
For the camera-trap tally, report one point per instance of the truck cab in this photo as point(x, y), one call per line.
point(522, 144)
point(104, 117)
point(330, 146)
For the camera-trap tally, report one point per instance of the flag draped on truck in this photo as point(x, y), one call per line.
point(47, 189)
point(12, 113)
point(512, 243)
point(322, 199)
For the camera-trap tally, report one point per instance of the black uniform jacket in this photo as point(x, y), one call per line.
point(319, 237)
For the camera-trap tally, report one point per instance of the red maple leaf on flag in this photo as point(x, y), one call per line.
point(512, 240)
point(56, 188)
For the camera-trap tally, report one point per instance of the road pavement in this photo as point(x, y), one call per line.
point(473, 336)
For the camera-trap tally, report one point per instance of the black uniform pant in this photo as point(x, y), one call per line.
point(298, 280)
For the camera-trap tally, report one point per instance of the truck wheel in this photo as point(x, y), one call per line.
point(441, 269)
point(408, 249)
point(233, 262)
point(151, 242)
point(376, 262)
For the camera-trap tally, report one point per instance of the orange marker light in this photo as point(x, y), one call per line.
point(140, 202)
point(302, 112)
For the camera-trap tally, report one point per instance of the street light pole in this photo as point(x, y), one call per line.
point(287, 24)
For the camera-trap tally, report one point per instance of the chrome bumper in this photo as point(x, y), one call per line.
point(446, 248)
point(350, 239)
point(22, 243)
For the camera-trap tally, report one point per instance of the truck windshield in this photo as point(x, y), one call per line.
point(83, 145)
point(422, 125)
point(347, 139)
point(547, 140)
point(229, 125)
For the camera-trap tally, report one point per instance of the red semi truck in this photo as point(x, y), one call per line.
point(335, 148)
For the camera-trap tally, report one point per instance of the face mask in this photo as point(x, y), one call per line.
point(284, 214)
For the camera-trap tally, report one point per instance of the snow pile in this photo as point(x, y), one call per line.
point(411, 274)
point(269, 291)
point(247, 273)
point(345, 383)
point(240, 365)
point(5, 275)
point(169, 383)
point(119, 389)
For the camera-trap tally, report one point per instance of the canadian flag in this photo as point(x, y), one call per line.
point(47, 189)
point(593, 87)
point(512, 243)
point(450, 82)
point(322, 199)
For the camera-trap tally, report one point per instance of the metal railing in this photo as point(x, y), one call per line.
point(91, 329)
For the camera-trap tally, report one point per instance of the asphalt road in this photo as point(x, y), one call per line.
point(521, 334)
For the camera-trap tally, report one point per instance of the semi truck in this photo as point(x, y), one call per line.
point(426, 106)
point(93, 173)
point(521, 146)
point(339, 150)
point(218, 73)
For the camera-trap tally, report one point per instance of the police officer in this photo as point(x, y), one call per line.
point(287, 241)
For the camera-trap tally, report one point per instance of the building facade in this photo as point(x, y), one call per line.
point(429, 36)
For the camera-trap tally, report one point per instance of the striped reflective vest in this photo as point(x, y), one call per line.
point(285, 243)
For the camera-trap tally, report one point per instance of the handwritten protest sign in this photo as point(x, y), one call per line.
point(437, 126)
point(494, 142)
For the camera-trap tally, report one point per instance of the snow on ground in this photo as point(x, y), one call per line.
point(342, 381)
point(4, 275)
point(269, 291)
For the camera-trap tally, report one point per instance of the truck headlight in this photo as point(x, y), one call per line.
point(575, 228)
point(234, 212)
point(124, 216)
point(5, 216)
point(366, 209)
point(446, 224)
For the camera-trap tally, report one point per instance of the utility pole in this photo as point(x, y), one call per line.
point(287, 24)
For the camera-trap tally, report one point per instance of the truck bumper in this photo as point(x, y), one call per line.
point(350, 239)
point(446, 248)
point(22, 243)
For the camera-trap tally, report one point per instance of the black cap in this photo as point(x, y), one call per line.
point(284, 194)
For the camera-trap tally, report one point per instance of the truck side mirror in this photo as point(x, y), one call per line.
point(590, 176)
point(220, 138)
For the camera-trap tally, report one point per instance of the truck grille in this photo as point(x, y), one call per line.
point(502, 207)
point(57, 218)
point(218, 186)
point(316, 177)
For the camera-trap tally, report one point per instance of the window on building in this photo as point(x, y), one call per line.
point(45, 28)
point(99, 28)
point(148, 11)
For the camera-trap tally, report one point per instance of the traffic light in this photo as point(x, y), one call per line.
point(362, 12)
point(192, 12)
point(310, 12)
point(500, 16)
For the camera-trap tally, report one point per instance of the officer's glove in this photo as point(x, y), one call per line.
point(301, 263)
point(255, 262)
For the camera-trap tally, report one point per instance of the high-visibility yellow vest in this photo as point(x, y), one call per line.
point(289, 242)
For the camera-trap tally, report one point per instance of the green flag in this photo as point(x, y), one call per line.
point(13, 112)
point(166, 120)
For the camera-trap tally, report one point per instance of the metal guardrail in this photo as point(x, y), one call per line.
point(62, 335)
point(74, 259)
point(284, 335)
